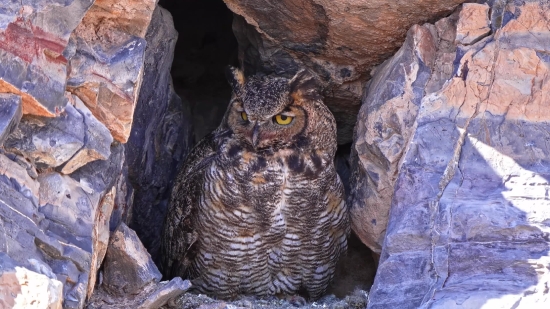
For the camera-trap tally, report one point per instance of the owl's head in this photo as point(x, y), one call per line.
point(275, 112)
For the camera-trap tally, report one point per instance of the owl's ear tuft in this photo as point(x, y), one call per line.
point(235, 77)
point(304, 84)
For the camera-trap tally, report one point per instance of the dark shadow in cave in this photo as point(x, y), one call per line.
point(205, 46)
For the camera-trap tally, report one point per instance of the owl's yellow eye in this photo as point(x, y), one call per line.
point(244, 116)
point(283, 120)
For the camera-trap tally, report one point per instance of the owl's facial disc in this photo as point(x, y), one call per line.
point(266, 131)
point(269, 112)
point(270, 131)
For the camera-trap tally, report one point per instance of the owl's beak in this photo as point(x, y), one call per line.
point(255, 133)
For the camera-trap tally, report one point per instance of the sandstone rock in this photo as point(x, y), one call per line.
point(339, 40)
point(473, 24)
point(10, 114)
point(128, 266)
point(33, 37)
point(468, 224)
point(107, 61)
point(21, 288)
point(384, 127)
point(161, 135)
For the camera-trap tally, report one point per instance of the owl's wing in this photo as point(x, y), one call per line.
point(179, 237)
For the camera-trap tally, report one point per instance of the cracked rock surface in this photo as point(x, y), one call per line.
point(70, 75)
point(130, 278)
point(468, 225)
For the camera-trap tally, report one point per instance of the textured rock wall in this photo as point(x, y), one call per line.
point(107, 54)
point(33, 42)
point(341, 41)
point(161, 136)
point(70, 75)
point(449, 164)
point(468, 180)
point(384, 127)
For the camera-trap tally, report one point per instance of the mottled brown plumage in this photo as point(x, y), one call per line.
point(258, 207)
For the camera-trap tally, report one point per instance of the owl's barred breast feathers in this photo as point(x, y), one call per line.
point(258, 207)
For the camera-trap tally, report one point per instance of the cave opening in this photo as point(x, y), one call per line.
point(206, 45)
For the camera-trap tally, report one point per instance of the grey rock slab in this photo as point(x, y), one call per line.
point(97, 141)
point(101, 175)
point(63, 201)
point(124, 200)
point(10, 114)
point(79, 208)
point(151, 296)
point(49, 142)
point(19, 177)
point(161, 134)
point(128, 267)
point(26, 237)
point(58, 225)
point(165, 292)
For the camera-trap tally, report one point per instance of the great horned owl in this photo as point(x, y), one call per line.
point(258, 207)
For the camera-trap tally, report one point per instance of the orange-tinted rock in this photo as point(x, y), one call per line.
point(107, 65)
point(469, 211)
point(32, 45)
point(383, 132)
point(97, 140)
point(339, 40)
point(473, 24)
point(130, 16)
point(100, 237)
